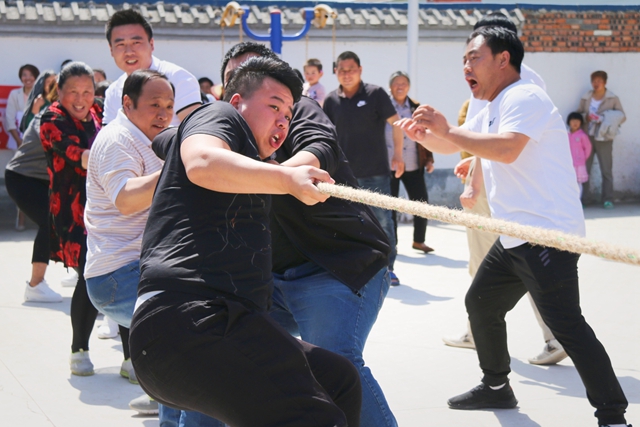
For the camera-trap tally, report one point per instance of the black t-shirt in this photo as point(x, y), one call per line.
point(342, 237)
point(201, 241)
point(360, 122)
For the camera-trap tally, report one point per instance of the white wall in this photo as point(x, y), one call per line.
point(440, 82)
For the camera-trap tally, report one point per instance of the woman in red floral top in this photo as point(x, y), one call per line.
point(67, 130)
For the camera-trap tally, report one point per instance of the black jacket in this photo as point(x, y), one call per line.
point(342, 237)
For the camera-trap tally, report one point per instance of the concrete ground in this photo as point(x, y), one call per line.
point(405, 351)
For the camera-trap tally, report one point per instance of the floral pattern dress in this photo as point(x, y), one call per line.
point(64, 139)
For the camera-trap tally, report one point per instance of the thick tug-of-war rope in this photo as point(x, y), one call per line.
point(533, 235)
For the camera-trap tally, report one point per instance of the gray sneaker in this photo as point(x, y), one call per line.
point(144, 405)
point(41, 293)
point(552, 353)
point(127, 371)
point(462, 341)
point(81, 364)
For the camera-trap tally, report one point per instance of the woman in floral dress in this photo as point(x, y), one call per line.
point(67, 130)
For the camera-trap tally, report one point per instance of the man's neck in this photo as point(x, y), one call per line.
point(509, 79)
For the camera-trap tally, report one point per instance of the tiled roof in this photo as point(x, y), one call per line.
point(59, 16)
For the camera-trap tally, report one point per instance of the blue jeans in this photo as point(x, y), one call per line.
point(114, 294)
point(382, 184)
point(170, 417)
point(309, 302)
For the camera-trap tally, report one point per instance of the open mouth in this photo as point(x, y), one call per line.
point(131, 61)
point(473, 83)
point(275, 141)
point(78, 108)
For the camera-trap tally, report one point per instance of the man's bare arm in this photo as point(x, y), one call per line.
point(137, 193)
point(210, 163)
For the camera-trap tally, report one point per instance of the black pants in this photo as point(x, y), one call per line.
point(237, 365)
point(31, 195)
point(417, 190)
point(551, 276)
point(83, 313)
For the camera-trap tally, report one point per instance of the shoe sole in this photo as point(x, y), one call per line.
point(83, 374)
point(45, 301)
point(459, 344)
point(146, 412)
point(556, 358)
point(509, 405)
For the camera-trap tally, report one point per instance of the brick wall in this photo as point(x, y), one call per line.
point(589, 31)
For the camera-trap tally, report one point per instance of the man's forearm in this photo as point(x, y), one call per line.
point(504, 147)
point(137, 193)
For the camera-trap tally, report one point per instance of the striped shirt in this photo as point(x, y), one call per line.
point(120, 151)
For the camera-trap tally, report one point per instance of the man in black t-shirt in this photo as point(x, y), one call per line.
point(360, 112)
point(201, 338)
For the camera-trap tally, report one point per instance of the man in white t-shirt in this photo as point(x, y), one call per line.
point(474, 200)
point(122, 175)
point(529, 179)
point(130, 39)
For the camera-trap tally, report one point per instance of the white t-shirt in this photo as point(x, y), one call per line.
point(539, 188)
point(527, 74)
point(120, 151)
point(185, 84)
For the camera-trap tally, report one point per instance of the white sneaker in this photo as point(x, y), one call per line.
point(464, 341)
point(127, 371)
point(41, 293)
point(70, 280)
point(144, 405)
point(551, 354)
point(81, 364)
point(108, 328)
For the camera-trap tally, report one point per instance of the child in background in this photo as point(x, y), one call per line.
point(312, 74)
point(580, 147)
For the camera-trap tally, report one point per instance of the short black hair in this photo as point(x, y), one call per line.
point(249, 76)
point(74, 69)
point(31, 68)
point(205, 80)
point(127, 17)
point(599, 74)
point(313, 62)
point(575, 116)
point(101, 71)
point(499, 39)
point(65, 62)
point(496, 19)
point(348, 55)
point(242, 48)
point(101, 88)
point(134, 84)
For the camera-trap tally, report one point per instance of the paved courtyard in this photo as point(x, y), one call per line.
point(405, 351)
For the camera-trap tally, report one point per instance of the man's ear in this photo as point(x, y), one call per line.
point(505, 58)
point(235, 100)
point(127, 103)
point(151, 43)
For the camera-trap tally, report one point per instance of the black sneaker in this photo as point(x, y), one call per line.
point(607, 425)
point(484, 397)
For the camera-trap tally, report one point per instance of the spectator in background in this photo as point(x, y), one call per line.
point(65, 62)
point(67, 130)
point(416, 159)
point(603, 115)
point(99, 75)
point(17, 101)
point(101, 88)
point(580, 147)
point(206, 84)
point(39, 97)
point(312, 86)
point(360, 112)
point(27, 183)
